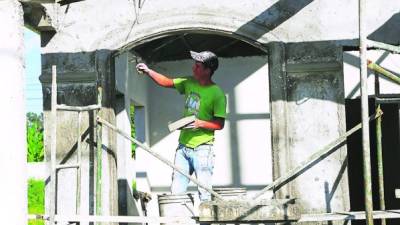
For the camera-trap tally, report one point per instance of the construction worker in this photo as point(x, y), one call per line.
point(205, 100)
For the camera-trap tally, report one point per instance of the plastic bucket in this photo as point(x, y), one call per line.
point(176, 205)
point(231, 193)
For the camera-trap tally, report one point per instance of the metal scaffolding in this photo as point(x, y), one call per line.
point(367, 215)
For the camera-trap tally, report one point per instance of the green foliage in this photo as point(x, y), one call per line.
point(36, 199)
point(134, 186)
point(36, 222)
point(133, 131)
point(34, 135)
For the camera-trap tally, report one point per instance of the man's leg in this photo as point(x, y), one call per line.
point(203, 162)
point(180, 182)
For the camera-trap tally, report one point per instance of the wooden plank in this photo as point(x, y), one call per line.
point(336, 216)
point(117, 219)
point(69, 166)
point(53, 144)
point(384, 46)
point(359, 215)
point(78, 108)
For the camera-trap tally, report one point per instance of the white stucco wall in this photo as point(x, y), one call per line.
point(13, 165)
point(351, 69)
point(99, 24)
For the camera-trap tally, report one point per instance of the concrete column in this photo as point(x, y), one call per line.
point(278, 96)
point(79, 75)
point(13, 165)
point(307, 113)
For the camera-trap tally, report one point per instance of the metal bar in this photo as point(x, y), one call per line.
point(98, 169)
point(358, 215)
point(60, 167)
point(78, 108)
point(172, 39)
point(99, 156)
point(158, 156)
point(226, 46)
point(383, 46)
point(37, 1)
point(53, 143)
point(79, 162)
point(335, 216)
point(364, 112)
point(117, 219)
point(328, 149)
point(188, 47)
point(375, 67)
point(378, 123)
point(387, 100)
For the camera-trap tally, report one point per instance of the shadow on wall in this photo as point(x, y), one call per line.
point(78, 75)
point(275, 15)
point(389, 32)
point(353, 60)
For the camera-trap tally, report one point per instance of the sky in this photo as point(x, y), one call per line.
point(33, 90)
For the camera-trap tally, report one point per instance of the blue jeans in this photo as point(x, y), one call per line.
point(199, 160)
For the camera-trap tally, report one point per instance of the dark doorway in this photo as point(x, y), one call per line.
point(391, 157)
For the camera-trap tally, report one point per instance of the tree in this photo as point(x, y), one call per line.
point(34, 135)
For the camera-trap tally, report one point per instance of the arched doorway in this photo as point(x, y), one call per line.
point(243, 148)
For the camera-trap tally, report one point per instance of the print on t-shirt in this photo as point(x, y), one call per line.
point(192, 104)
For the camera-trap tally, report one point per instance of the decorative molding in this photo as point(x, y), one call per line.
point(70, 77)
point(313, 67)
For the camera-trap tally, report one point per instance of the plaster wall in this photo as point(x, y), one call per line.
point(13, 165)
point(307, 107)
point(128, 81)
point(98, 24)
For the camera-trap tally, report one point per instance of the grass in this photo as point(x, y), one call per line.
point(35, 199)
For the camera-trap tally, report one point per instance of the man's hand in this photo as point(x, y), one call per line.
point(159, 78)
point(142, 68)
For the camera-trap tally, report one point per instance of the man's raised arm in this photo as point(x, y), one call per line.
point(159, 78)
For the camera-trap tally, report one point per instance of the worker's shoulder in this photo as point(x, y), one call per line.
point(218, 90)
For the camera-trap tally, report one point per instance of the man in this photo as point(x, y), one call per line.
point(205, 100)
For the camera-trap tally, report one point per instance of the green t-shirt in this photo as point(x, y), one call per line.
point(206, 103)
